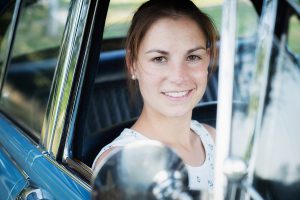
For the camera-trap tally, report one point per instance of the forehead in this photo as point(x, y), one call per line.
point(178, 29)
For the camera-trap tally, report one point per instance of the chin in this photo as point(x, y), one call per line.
point(178, 113)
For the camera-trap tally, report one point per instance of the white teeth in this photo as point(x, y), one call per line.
point(176, 94)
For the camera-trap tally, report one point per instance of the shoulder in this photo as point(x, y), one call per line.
point(211, 130)
point(102, 157)
point(127, 136)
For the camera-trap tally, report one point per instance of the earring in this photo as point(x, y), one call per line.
point(133, 77)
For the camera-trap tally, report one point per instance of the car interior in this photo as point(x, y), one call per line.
point(111, 109)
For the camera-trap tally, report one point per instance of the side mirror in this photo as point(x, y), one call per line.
point(141, 170)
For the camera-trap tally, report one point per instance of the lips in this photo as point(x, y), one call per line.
point(177, 94)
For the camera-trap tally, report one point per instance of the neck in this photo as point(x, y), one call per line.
point(171, 131)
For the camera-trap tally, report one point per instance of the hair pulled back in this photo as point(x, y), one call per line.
point(153, 10)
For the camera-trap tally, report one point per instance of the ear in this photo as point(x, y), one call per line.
point(131, 66)
point(208, 52)
point(128, 61)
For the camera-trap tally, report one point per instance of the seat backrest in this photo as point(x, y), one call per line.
point(110, 103)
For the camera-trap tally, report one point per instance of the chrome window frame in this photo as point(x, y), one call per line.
point(225, 91)
point(59, 100)
point(61, 114)
point(97, 19)
point(226, 70)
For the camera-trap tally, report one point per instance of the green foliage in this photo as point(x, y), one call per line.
point(294, 34)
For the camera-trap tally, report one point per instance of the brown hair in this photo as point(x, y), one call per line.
point(153, 10)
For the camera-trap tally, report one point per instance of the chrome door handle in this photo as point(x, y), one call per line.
point(31, 193)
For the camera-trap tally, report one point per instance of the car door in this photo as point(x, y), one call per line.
point(42, 57)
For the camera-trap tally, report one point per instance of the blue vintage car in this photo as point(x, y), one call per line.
point(63, 95)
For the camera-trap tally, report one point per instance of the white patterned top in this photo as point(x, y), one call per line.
point(200, 177)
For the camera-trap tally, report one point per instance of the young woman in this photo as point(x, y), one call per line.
point(170, 46)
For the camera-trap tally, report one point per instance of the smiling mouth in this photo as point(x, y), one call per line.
point(177, 94)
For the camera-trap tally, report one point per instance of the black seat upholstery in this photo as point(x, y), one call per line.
point(110, 103)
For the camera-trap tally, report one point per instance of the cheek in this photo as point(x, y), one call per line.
point(200, 75)
point(148, 82)
point(147, 77)
point(200, 80)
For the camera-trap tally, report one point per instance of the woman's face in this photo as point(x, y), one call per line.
point(171, 67)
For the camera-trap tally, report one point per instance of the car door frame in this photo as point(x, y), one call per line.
point(42, 162)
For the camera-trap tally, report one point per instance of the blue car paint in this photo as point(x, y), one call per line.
point(42, 172)
point(12, 182)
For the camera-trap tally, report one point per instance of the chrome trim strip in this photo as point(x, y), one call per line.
point(66, 171)
point(67, 148)
point(30, 191)
point(262, 65)
point(24, 158)
point(225, 92)
point(54, 121)
point(79, 166)
point(10, 39)
point(67, 152)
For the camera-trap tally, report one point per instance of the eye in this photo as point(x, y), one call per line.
point(160, 59)
point(193, 58)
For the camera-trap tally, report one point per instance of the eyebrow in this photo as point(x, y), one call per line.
point(166, 53)
point(196, 49)
point(157, 51)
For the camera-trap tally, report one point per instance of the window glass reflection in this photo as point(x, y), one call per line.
point(5, 31)
point(34, 57)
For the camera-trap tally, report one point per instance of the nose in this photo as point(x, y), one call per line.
point(178, 73)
